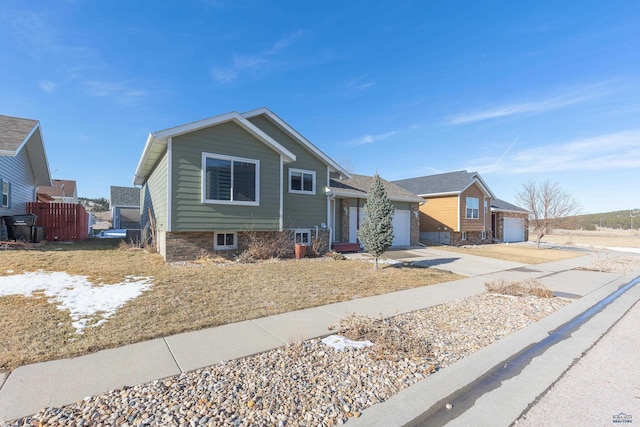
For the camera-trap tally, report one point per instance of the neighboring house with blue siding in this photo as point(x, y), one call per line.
point(208, 182)
point(23, 165)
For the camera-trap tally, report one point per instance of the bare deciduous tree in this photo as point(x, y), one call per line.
point(549, 206)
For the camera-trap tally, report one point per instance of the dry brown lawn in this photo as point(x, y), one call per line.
point(514, 252)
point(600, 238)
point(182, 298)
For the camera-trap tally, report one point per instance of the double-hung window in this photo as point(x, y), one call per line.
point(302, 181)
point(473, 206)
point(230, 180)
point(5, 187)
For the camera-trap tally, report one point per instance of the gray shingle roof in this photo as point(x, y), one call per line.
point(358, 186)
point(435, 184)
point(59, 188)
point(125, 196)
point(13, 132)
point(501, 205)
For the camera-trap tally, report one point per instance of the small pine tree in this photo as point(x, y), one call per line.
point(376, 230)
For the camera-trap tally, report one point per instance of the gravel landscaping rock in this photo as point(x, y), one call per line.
point(308, 383)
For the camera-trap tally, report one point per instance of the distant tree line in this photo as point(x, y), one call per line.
point(618, 219)
point(95, 205)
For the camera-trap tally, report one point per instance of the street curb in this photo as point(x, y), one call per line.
point(409, 406)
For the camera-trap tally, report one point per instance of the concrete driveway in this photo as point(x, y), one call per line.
point(464, 264)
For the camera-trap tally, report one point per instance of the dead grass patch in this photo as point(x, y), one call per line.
point(391, 338)
point(183, 297)
point(599, 238)
point(515, 253)
point(528, 287)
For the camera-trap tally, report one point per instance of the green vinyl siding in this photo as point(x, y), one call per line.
point(189, 213)
point(300, 210)
point(154, 195)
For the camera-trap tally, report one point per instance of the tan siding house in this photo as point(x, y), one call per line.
point(456, 209)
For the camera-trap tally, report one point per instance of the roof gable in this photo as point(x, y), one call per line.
point(17, 134)
point(59, 188)
point(270, 115)
point(157, 141)
point(451, 183)
point(358, 186)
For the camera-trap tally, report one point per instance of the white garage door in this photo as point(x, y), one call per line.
point(513, 230)
point(401, 228)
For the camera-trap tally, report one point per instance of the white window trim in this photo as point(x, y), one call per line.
point(2, 193)
point(205, 156)
point(484, 235)
point(464, 235)
point(466, 208)
point(225, 247)
point(302, 231)
point(303, 171)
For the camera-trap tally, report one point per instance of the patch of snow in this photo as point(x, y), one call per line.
point(621, 249)
point(112, 234)
point(340, 343)
point(76, 294)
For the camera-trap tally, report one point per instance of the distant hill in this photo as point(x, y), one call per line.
point(94, 205)
point(618, 219)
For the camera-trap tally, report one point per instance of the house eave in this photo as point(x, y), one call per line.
point(361, 195)
point(444, 194)
point(509, 211)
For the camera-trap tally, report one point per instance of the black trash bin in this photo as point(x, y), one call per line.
point(4, 229)
point(8, 222)
point(23, 227)
point(38, 234)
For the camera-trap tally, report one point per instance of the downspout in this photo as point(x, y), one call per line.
point(331, 196)
point(170, 184)
point(281, 212)
point(357, 219)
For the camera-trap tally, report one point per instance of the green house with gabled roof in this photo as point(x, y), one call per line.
point(205, 183)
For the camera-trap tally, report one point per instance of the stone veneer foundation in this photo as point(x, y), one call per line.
point(188, 246)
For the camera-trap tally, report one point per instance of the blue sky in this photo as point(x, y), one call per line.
point(517, 91)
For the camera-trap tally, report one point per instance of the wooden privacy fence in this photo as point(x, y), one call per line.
point(63, 222)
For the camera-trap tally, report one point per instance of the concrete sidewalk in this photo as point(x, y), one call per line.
point(30, 388)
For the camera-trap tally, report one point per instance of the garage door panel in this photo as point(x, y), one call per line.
point(513, 230)
point(401, 222)
point(401, 228)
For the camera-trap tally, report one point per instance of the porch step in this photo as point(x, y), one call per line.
point(345, 247)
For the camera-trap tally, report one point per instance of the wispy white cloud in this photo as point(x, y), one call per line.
point(251, 63)
point(359, 84)
point(116, 90)
point(47, 86)
point(605, 152)
point(571, 97)
point(370, 139)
